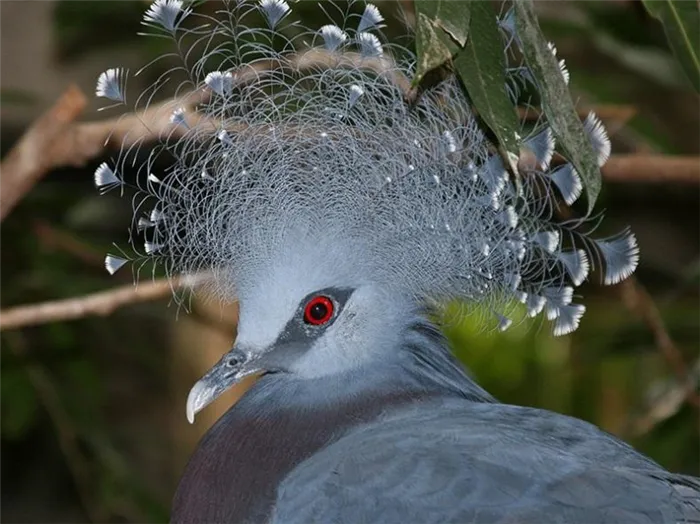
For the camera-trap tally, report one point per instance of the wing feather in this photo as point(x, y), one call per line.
point(456, 461)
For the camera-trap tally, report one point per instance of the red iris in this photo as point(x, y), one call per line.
point(318, 311)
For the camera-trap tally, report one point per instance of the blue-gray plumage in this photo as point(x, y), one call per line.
point(411, 438)
point(335, 202)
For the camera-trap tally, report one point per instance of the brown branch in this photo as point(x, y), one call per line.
point(638, 300)
point(27, 161)
point(54, 140)
point(102, 303)
point(665, 405)
point(55, 239)
point(83, 142)
point(658, 169)
point(620, 114)
point(653, 168)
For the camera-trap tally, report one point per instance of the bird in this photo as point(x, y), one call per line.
point(342, 210)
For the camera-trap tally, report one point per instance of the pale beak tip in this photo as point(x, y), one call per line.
point(190, 414)
point(194, 402)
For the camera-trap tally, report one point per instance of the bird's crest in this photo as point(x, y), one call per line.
point(285, 141)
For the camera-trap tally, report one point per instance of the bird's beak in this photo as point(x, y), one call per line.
point(231, 369)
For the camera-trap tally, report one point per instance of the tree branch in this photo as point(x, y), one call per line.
point(620, 114)
point(27, 161)
point(653, 168)
point(638, 300)
point(102, 303)
point(665, 405)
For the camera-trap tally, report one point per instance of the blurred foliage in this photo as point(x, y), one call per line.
point(16, 97)
point(681, 21)
point(100, 25)
point(100, 386)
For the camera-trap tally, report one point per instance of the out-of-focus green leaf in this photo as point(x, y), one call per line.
point(19, 403)
point(654, 63)
point(681, 21)
point(556, 101)
point(481, 67)
point(79, 25)
point(619, 36)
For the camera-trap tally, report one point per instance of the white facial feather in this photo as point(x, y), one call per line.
point(368, 326)
point(273, 286)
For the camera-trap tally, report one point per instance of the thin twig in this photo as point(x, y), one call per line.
point(665, 405)
point(638, 300)
point(621, 114)
point(53, 238)
point(102, 303)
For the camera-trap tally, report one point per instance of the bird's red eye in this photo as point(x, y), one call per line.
point(318, 311)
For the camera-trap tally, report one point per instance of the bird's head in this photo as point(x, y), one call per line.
point(308, 315)
point(328, 195)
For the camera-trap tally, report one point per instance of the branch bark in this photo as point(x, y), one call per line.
point(621, 114)
point(27, 161)
point(653, 168)
point(638, 300)
point(102, 303)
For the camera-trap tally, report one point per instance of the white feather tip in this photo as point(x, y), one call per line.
point(621, 256)
point(178, 117)
point(274, 11)
point(166, 14)
point(371, 18)
point(568, 319)
point(220, 82)
point(370, 46)
point(104, 176)
point(113, 264)
point(333, 37)
point(111, 84)
point(568, 183)
point(598, 137)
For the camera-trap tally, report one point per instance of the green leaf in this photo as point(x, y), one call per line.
point(441, 31)
point(450, 16)
point(93, 25)
point(453, 17)
point(556, 101)
point(482, 68)
point(681, 21)
point(432, 46)
point(19, 403)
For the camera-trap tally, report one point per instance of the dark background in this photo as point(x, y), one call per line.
point(93, 422)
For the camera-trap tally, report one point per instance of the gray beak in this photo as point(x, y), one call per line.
point(231, 369)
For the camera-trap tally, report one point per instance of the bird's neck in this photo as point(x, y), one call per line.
point(281, 421)
point(234, 473)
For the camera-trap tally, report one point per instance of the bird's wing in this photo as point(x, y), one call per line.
point(460, 462)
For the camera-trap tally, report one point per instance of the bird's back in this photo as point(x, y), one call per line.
point(458, 461)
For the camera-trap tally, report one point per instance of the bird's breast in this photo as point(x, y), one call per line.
point(234, 473)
